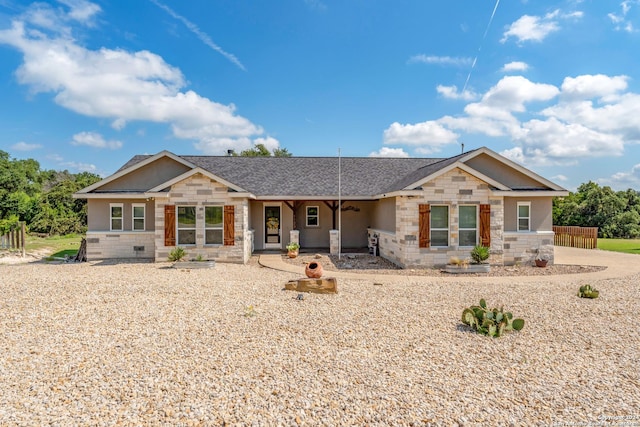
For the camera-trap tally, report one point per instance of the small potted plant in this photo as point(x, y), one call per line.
point(541, 260)
point(292, 249)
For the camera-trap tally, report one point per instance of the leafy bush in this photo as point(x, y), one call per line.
point(177, 254)
point(479, 254)
point(494, 322)
point(293, 246)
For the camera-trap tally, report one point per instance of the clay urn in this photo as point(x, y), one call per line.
point(313, 270)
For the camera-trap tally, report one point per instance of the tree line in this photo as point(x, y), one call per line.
point(615, 213)
point(43, 199)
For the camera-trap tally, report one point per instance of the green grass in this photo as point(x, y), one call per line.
point(55, 246)
point(629, 246)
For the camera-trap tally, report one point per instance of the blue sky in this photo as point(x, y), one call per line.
point(552, 85)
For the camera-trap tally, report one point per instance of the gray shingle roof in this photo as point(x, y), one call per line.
point(316, 176)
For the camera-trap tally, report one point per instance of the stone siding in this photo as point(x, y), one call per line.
point(200, 191)
point(523, 248)
point(120, 244)
point(453, 189)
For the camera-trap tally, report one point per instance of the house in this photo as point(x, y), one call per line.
point(421, 211)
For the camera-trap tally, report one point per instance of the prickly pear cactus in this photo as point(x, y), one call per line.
point(587, 291)
point(494, 322)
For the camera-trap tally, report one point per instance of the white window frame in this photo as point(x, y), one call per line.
point(518, 217)
point(460, 229)
point(134, 217)
point(316, 216)
point(111, 217)
point(432, 228)
point(221, 227)
point(194, 228)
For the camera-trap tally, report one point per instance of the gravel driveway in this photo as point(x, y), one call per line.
point(139, 344)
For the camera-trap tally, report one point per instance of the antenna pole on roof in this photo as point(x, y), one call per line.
point(339, 205)
point(462, 143)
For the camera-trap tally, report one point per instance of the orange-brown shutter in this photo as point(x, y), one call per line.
point(424, 226)
point(485, 225)
point(229, 226)
point(169, 225)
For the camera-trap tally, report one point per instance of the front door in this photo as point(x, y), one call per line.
point(272, 227)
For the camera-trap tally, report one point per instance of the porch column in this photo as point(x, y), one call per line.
point(334, 242)
point(294, 236)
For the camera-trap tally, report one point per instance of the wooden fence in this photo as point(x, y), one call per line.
point(15, 238)
point(576, 237)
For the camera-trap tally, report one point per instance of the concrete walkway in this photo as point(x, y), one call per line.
point(617, 265)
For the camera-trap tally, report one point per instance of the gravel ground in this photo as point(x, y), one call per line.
point(146, 344)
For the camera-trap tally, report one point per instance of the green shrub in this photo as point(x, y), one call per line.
point(479, 254)
point(494, 322)
point(177, 254)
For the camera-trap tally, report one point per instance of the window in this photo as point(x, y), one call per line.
point(186, 225)
point(213, 225)
point(138, 217)
point(439, 226)
point(524, 216)
point(468, 225)
point(313, 219)
point(116, 216)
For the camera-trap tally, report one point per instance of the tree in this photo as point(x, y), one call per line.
point(259, 150)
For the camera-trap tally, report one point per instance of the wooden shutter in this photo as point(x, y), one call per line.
point(424, 225)
point(485, 225)
point(169, 225)
point(229, 226)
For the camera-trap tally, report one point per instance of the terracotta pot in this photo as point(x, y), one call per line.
point(292, 254)
point(313, 270)
point(541, 262)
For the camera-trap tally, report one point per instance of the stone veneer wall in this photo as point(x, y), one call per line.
point(453, 188)
point(201, 191)
point(523, 248)
point(120, 244)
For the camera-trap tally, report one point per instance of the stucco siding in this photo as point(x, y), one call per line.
point(541, 213)
point(502, 173)
point(99, 214)
point(148, 176)
point(383, 215)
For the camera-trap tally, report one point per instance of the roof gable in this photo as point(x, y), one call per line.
point(141, 173)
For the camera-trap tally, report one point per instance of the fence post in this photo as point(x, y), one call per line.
point(23, 229)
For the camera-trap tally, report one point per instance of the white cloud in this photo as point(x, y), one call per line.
point(82, 10)
point(389, 152)
point(451, 92)
point(620, 180)
point(23, 146)
point(316, 4)
point(92, 139)
point(440, 60)
point(590, 116)
point(80, 167)
point(429, 133)
point(554, 142)
point(119, 85)
point(515, 66)
point(537, 28)
point(560, 177)
point(593, 86)
point(620, 21)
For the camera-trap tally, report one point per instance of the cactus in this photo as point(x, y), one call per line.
point(493, 322)
point(587, 291)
